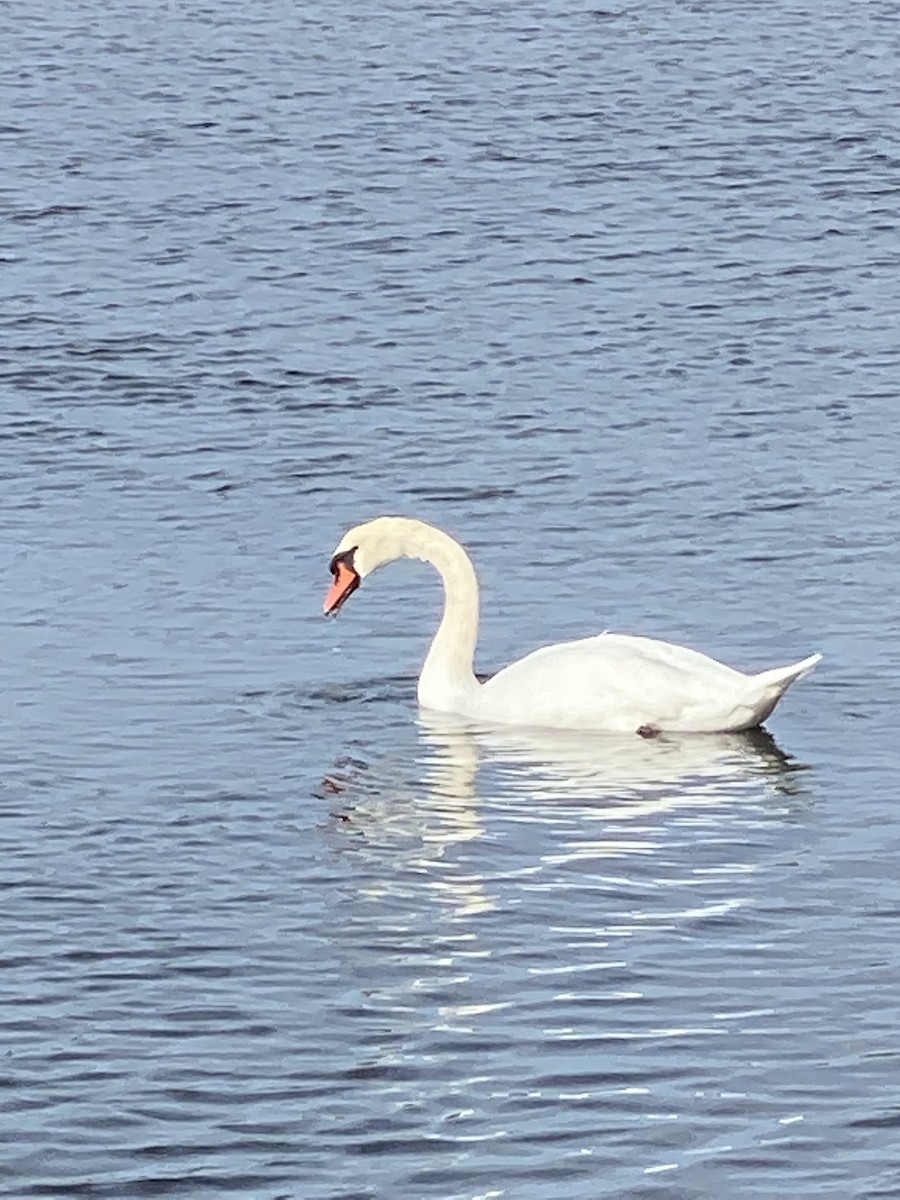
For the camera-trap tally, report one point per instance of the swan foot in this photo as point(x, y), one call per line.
point(648, 731)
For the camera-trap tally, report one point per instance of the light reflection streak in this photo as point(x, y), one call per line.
point(460, 836)
point(577, 784)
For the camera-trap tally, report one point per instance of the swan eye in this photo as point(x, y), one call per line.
point(345, 559)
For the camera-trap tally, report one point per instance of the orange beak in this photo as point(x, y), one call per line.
point(346, 581)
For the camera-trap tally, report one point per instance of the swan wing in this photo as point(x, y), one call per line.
point(623, 683)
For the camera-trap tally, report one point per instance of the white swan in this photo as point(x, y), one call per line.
point(611, 682)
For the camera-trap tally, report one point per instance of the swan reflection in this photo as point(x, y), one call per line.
point(504, 878)
point(584, 797)
point(551, 765)
point(534, 920)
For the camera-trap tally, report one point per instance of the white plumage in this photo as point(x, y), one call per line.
point(610, 682)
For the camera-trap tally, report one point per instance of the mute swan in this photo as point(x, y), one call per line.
point(611, 682)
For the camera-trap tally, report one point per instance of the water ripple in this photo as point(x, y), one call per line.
point(612, 295)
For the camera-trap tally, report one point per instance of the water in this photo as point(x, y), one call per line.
point(612, 294)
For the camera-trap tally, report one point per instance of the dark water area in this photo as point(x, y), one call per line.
point(612, 294)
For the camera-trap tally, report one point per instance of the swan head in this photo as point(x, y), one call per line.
point(363, 550)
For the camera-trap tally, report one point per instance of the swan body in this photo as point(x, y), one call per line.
point(611, 682)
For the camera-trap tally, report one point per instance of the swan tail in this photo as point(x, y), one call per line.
point(768, 687)
point(780, 679)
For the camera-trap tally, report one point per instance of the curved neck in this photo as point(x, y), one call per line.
point(448, 671)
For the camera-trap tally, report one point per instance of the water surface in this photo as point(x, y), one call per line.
point(611, 294)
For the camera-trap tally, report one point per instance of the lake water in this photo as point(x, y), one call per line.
point(612, 294)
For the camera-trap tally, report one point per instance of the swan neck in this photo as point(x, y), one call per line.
point(449, 672)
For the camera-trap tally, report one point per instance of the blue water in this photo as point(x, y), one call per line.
point(612, 295)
